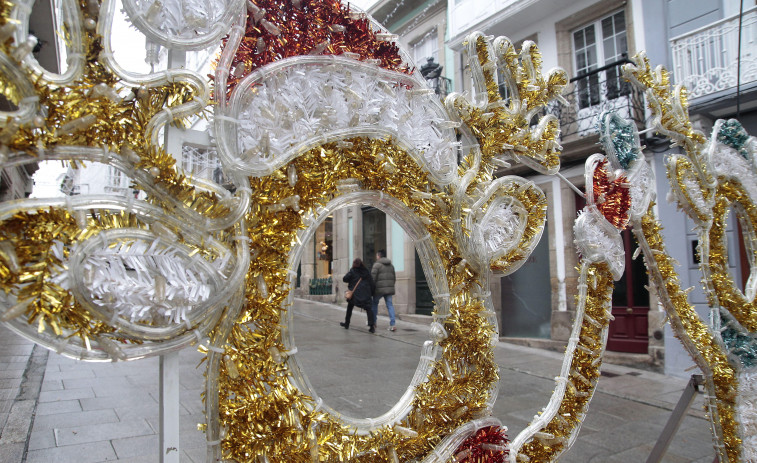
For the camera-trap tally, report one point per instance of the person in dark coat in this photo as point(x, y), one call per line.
point(359, 281)
point(384, 278)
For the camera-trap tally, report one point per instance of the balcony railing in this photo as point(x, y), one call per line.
point(706, 60)
point(591, 93)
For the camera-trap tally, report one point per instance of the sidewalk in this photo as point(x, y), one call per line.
point(92, 412)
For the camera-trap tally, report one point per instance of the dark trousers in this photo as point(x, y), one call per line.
point(368, 310)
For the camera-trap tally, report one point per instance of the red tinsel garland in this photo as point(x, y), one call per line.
point(612, 197)
point(278, 29)
point(487, 445)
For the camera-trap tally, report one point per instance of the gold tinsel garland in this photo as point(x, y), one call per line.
point(695, 335)
point(536, 217)
point(724, 291)
point(32, 236)
point(499, 130)
point(260, 409)
point(584, 369)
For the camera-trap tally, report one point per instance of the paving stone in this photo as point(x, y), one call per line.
point(197, 455)
point(150, 411)
point(127, 400)
point(116, 381)
point(18, 349)
point(66, 394)
point(62, 406)
point(10, 383)
point(193, 439)
point(16, 428)
point(75, 418)
point(142, 459)
point(633, 434)
point(5, 406)
point(6, 374)
point(6, 365)
point(101, 432)
point(131, 447)
point(41, 439)
point(8, 394)
point(12, 452)
point(584, 452)
point(641, 453)
point(85, 453)
point(70, 374)
point(52, 385)
point(14, 358)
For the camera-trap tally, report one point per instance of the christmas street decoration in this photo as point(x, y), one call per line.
point(314, 107)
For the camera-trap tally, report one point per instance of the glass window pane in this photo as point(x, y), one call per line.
point(578, 39)
point(640, 280)
point(609, 45)
point(590, 39)
point(607, 28)
point(620, 21)
point(622, 42)
point(591, 57)
point(581, 62)
point(620, 292)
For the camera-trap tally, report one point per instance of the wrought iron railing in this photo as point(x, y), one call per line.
point(706, 59)
point(320, 286)
point(591, 93)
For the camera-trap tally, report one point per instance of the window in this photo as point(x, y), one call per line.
point(201, 163)
point(114, 181)
point(427, 47)
point(594, 46)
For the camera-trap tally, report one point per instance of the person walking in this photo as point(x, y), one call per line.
point(384, 277)
point(360, 283)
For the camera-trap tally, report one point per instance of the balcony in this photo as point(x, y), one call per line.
point(591, 93)
point(706, 60)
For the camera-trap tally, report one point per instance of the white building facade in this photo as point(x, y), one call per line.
point(695, 40)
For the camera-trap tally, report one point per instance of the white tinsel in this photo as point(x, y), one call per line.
point(181, 18)
point(598, 241)
point(292, 106)
point(502, 227)
point(728, 163)
point(694, 193)
point(641, 189)
point(146, 282)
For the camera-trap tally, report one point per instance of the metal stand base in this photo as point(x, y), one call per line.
point(674, 422)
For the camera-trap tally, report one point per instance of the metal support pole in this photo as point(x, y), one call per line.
point(169, 408)
point(674, 422)
point(169, 363)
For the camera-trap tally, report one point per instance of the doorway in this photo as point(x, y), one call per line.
point(630, 304)
point(374, 234)
point(424, 300)
point(526, 299)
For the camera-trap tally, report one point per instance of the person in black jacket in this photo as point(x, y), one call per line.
point(359, 281)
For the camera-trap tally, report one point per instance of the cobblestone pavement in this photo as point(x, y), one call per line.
point(54, 409)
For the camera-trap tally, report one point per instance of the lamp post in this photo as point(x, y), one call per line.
point(432, 72)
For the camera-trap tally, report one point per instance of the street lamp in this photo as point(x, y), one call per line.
point(432, 72)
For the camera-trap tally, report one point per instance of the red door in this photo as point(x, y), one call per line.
point(630, 304)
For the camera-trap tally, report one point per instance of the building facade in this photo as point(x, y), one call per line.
point(698, 42)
